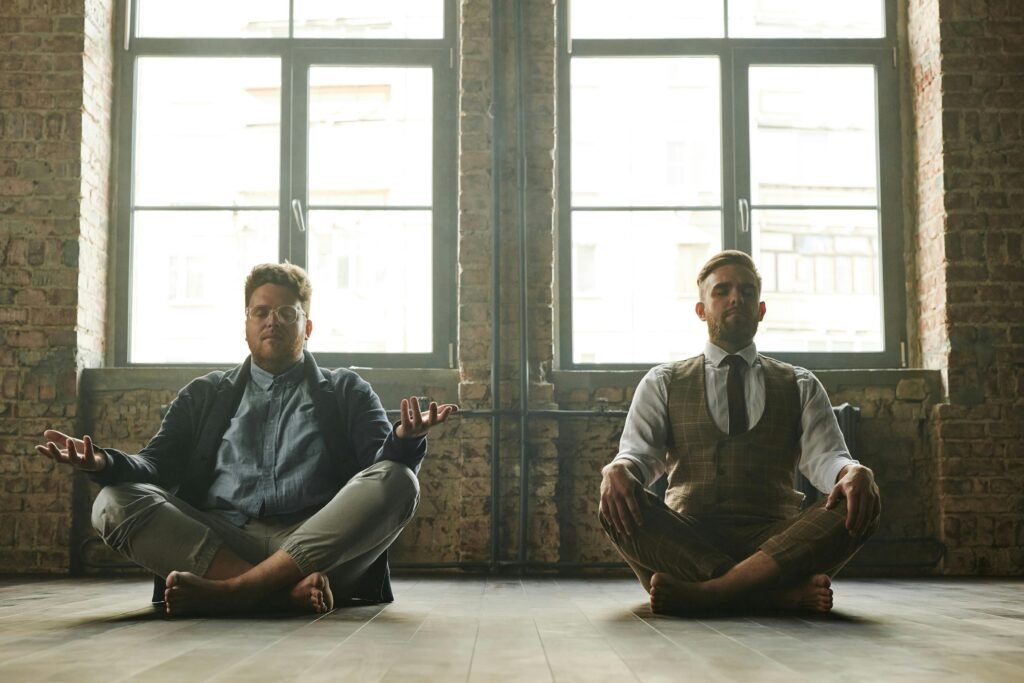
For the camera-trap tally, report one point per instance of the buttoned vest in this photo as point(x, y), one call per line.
point(712, 473)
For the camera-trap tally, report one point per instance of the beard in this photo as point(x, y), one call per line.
point(737, 329)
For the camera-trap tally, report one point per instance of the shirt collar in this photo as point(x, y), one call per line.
point(715, 355)
point(264, 380)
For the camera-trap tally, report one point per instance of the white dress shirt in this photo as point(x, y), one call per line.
point(644, 440)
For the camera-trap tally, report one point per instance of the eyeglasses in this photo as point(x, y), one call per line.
point(286, 314)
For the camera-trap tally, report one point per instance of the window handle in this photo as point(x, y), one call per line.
point(297, 212)
point(127, 25)
point(744, 210)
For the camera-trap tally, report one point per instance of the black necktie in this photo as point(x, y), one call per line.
point(734, 390)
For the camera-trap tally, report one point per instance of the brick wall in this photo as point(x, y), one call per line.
point(475, 266)
point(945, 440)
point(54, 92)
point(970, 97)
point(90, 254)
point(474, 280)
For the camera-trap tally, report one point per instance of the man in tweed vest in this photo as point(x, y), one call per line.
point(727, 427)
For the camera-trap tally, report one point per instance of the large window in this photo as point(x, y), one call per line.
point(769, 126)
point(319, 132)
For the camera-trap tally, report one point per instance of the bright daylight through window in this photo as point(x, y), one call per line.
point(768, 126)
point(325, 140)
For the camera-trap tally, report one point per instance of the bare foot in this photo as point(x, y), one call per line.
point(312, 594)
point(670, 595)
point(187, 593)
point(813, 595)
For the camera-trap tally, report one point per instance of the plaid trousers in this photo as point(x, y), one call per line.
point(698, 548)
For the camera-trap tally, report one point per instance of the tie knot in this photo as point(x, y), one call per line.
point(734, 361)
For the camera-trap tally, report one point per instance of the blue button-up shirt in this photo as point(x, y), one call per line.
point(272, 459)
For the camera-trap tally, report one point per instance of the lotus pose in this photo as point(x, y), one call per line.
point(728, 427)
point(276, 485)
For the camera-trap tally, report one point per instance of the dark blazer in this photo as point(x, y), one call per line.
point(182, 455)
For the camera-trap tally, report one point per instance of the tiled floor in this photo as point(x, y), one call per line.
point(475, 629)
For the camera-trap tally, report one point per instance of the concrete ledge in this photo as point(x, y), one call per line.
point(391, 384)
point(567, 380)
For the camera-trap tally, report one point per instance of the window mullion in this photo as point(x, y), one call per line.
point(294, 241)
point(732, 161)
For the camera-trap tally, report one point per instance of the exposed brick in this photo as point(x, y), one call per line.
point(965, 244)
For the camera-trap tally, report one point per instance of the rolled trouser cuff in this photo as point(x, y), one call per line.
point(361, 520)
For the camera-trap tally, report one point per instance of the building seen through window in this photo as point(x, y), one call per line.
point(210, 192)
point(665, 171)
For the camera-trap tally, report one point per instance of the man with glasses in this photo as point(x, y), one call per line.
point(276, 485)
point(727, 427)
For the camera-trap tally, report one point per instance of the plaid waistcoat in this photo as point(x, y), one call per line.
point(712, 473)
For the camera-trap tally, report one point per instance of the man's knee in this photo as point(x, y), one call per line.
point(400, 485)
point(652, 510)
point(840, 512)
point(121, 504)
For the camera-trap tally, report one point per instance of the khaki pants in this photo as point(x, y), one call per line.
point(700, 548)
point(162, 533)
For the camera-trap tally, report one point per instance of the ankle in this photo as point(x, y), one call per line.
point(234, 584)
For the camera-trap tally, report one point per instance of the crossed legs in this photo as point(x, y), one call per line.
point(214, 567)
point(698, 564)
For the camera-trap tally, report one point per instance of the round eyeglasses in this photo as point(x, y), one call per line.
point(286, 314)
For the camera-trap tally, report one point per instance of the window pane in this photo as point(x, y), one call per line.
point(822, 280)
point(220, 19)
point(369, 18)
point(646, 19)
point(646, 132)
point(636, 277)
point(372, 283)
point(370, 136)
point(806, 18)
point(207, 132)
point(813, 135)
point(187, 282)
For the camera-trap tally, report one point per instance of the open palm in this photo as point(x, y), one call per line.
point(67, 450)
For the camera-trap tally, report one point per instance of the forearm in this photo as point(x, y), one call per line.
point(121, 467)
point(852, 467)
point(824, 449)
point(409, 452)
point(628, 464)
point(638, 469)
point(644, 439)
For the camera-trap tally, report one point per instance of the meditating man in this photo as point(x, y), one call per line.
point(276, 485)
point(728, 426)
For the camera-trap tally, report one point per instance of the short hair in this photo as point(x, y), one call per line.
point(284, 274)
point(729, 257)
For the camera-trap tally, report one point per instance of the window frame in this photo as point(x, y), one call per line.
point(736, 55)
point(296, 55)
